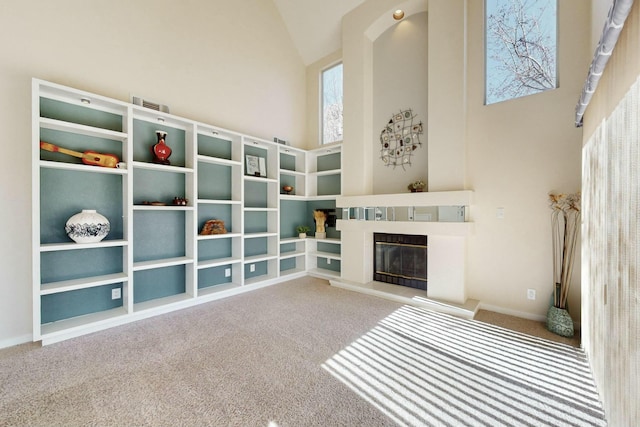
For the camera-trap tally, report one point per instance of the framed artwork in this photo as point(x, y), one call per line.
point(253, 165)
point(256, 166)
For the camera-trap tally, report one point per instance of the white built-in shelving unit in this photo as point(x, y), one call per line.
point(154, 260)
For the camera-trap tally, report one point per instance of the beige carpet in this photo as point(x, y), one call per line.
point(258, 359)
point(526, 326)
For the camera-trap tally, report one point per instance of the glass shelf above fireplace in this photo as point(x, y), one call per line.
point(443, 206)
point(406, 213)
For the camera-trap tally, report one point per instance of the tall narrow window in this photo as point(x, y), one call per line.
point(520, 48)
point(331, 120)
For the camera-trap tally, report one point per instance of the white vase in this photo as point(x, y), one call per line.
point(87, 226)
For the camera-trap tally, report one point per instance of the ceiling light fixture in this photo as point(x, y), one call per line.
point(398, 14)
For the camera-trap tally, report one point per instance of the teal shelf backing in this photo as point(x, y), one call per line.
point(214, 147)
point(257, 246)
point(83, 263)
point(158, 283)
point(262, 269)
point(255, 222)
point(292, 214)
point(287, 247)
point(64, 193)
point(288, 264)
point(255, 194)
point(214, 249)
point(334, 266)
point(65, 305)
point(208, 277)
point(152, 185)
point(288, 162)
point(329, 185)
point(328, 162)
point(158, 235)
point(328, 247)
point(58, 110)
point(214, 181)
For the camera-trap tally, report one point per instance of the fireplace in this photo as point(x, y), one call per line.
point(400, 259)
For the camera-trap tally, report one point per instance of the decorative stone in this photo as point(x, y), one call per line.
point(213, 226)
point(87, 226)
point(559, 321)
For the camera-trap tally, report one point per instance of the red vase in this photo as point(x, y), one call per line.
point(161, 151)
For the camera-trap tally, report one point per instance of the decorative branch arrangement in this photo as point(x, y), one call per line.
point(565, 224)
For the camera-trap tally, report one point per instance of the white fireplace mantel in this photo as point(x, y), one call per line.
point(447, 241)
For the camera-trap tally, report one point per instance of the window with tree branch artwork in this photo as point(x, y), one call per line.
point(520, 48)
point(331, 109)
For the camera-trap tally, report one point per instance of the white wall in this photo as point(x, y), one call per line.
point(400, 82)
point(232, 67)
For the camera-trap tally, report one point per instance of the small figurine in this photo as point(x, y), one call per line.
point(320, 217)
point(180, 201)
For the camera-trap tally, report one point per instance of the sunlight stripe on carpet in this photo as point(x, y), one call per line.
point(421, 367)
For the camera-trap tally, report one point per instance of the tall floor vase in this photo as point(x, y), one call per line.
point(559, 321)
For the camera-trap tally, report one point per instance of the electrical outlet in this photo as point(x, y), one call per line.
point(227, 272)
point(531, 294)
point(500, 213)
point(115, 293)
point(328, 260)
point(252, 268)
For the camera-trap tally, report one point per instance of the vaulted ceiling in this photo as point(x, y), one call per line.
point(315, 25)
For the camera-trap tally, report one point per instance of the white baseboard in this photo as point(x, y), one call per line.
point(510, 312)
point(521, 314)
point(10, 342)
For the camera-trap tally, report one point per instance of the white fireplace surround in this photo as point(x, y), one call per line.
point(446, 259)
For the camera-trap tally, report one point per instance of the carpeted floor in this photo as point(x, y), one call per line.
point(529, 327)
point(299, 353)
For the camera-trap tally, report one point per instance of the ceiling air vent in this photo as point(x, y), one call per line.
point(149, 104)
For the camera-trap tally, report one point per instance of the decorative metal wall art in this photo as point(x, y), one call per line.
point(400, 138)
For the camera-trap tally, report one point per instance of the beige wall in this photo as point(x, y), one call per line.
point(232, 67)
point(447, 93)
point(599, 10)
point(517, 152)
point(400, 82)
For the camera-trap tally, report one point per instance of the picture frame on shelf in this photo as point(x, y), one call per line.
point(253, 165)
point(263, 167)
point(256, 166)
